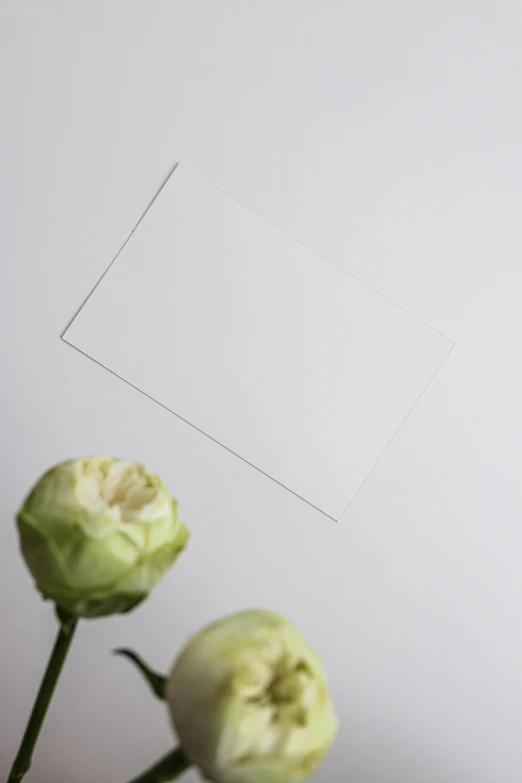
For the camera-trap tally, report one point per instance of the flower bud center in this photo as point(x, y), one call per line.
point(286, 687)
point(284, 691)
point(123, 490)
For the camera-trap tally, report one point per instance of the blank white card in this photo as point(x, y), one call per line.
point(273, 351)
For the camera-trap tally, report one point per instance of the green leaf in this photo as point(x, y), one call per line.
point(168, 768)
point(155, 680)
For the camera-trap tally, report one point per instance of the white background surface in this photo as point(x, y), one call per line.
point(387, 136)
point(271, 350)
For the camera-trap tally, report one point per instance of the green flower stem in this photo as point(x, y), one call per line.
point(168, 768)
point(23, 759)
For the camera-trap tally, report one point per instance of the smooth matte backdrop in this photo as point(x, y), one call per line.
point(387, 137)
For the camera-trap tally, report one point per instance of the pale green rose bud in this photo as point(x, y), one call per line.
point(98, 533)
point(249, 701)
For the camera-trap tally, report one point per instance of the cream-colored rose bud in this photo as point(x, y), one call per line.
point(249, 701)
point(98, 533)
